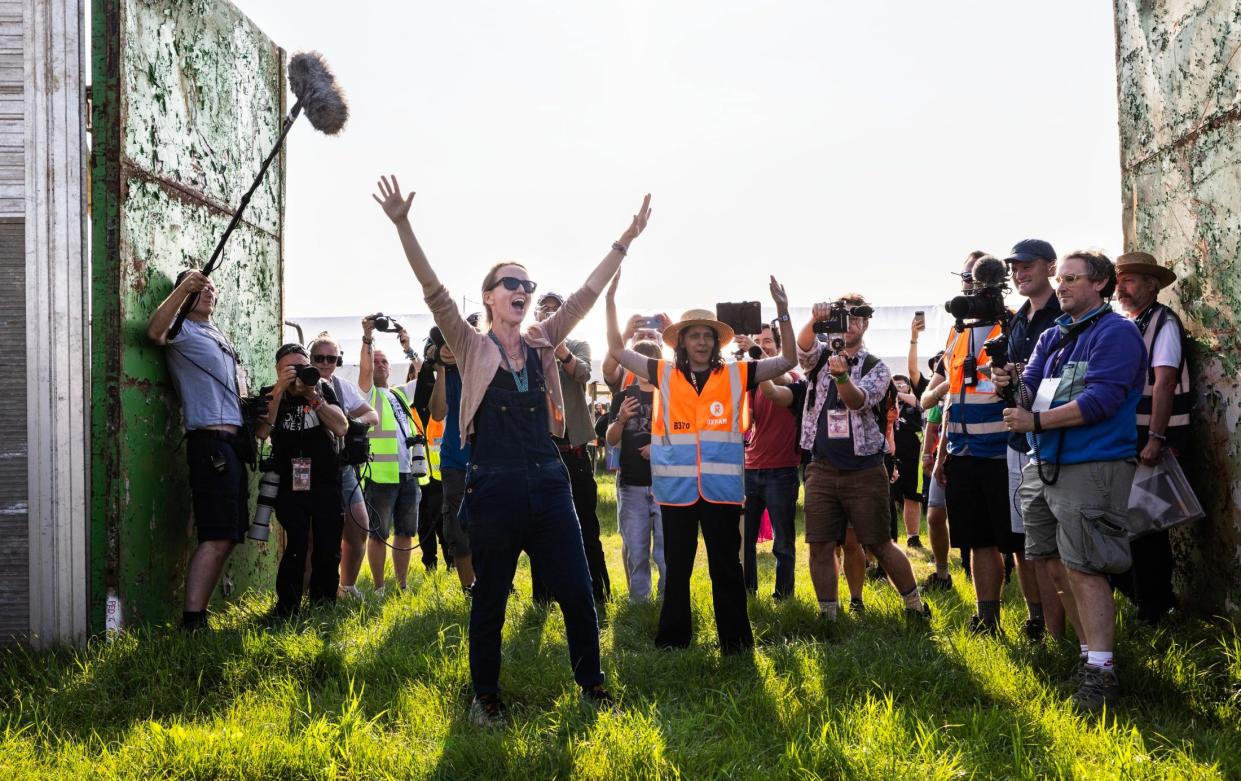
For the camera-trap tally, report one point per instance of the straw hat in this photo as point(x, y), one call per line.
point(1145, 263)
point(694, 317)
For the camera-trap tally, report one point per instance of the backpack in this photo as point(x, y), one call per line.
point(881, 410)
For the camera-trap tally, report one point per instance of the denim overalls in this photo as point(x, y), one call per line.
point(517, 498)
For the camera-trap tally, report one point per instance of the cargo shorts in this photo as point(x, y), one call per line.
point(1082, 518)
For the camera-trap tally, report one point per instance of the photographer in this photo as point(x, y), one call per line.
point(302, 419)
point(431, 507)
point(1078, 400)
point(698, 460)
point(391, 488)
point(203, 365)
point(1032, 263)
point(846, 482)
point(325, 356)
point(972, 465)
point(772, 457)
point(573, 363)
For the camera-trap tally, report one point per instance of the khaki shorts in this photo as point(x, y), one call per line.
point(1082, 518)
point(836, 499)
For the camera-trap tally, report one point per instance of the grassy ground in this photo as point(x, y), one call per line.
point(379, 690)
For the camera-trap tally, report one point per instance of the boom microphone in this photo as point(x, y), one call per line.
point(990, 272)
point(321, 99)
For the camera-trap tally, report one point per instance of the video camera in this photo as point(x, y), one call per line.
point(985, 304)
point(837, 322)
point(385, 324)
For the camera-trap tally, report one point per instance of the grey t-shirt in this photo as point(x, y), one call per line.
point(579, 427)
point(203, 365)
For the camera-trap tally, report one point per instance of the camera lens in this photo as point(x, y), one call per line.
point(309, 375)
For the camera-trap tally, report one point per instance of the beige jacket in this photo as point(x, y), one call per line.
point(478, 358)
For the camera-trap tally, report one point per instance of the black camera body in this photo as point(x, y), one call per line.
point(837, 321)
point(309, 376)
point(985, 305)
point(357, 449)
point(386, 324)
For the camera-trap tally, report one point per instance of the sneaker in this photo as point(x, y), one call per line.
point(934, 582)
point(487, 710)
point(468, 591)
point(379, 592)
point(1099, 686)
point(348, 592)
point(857, 606)
point(1075, 679)
point(598, 698)
point(1034, 629)
point(978, 626)
point(194, 621)
point(914, 542)
point(922, 615)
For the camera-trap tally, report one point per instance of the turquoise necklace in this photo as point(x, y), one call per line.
point(521, 379)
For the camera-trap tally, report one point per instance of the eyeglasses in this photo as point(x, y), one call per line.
point(512, 283)
point(323, 358)
point(1068, 279)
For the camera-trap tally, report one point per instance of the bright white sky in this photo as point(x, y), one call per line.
point(841, 146)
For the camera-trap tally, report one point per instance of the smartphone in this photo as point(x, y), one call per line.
point(653, 323)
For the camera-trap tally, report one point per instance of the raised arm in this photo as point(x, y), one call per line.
point(366, 359)
point(778, 394)
point(917, 326)
point(165, 313)
point(768, 368)
point(628, 359)
point(612, 373)
point(397, 208)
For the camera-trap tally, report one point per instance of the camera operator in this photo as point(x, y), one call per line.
point(1163, 418)
point(454, 457)
point(302, 419)
point(392, 488)
point(203, 365)
point(1078, 398)
point(972, 464)
point(772, 457)
point(325, 356)
point(846, 482)
point(1032, 263)
point(431, 507)
point(573, 363)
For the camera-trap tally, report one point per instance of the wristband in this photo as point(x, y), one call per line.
point(1038, 424)
point(784, 318)
point(368, 340)
point(1160, 437)
point(568, 359)
point(410, 354)
point(316, 403)
point(842, 379)
point(621, 248)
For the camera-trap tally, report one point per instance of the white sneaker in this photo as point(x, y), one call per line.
point(348, 592)
point(379, 592)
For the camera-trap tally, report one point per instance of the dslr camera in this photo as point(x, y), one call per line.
point(385, 324)
point(985, 303)
point(432, 344)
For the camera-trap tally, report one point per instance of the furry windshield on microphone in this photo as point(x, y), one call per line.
point(317, 92)
point(990, 272)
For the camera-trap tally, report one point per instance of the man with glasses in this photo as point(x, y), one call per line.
point(573, 360)
point(1078, 402)
point(325, 356)
point(203, 365)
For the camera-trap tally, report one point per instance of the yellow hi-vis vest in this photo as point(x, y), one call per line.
point(387, 438)
point(698, 440)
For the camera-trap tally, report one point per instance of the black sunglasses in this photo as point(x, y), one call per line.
point(512, 283)
point(323, 358)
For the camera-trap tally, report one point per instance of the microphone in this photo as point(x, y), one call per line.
point(321, 99)
point(990, 272)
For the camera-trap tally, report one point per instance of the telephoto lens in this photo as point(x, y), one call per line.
point(309, 376)
point(418, 456)
point(269, 486)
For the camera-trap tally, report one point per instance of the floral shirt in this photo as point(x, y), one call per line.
point(868, 438)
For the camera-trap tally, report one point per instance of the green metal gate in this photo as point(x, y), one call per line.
point(188, 96)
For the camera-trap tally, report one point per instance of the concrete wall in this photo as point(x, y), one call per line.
point(189, 97)
point(1179, 72)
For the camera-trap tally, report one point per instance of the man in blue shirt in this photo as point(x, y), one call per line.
point(454, 459)
point(1078, 400)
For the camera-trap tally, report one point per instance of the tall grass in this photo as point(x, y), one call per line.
point(379, 690)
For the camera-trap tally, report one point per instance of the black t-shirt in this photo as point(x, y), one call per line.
point(652, 369)
point(839, 452)
point(601, 427)
point(297, 433)
point(634, 468)
point(908, 425)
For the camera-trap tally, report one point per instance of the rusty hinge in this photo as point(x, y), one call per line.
point(90, 110)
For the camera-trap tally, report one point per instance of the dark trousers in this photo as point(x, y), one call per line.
point(305, 516)
point(527, 508)
point(1148, 583)
point(773, 490)
point(585, 499)
point(721, 530)
point(431, 524)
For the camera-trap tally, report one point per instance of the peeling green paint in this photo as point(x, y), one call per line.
point(189, 97)
point(1179, 87)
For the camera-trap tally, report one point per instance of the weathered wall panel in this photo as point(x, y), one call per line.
point(14, 505)
point(1179, 76)
point(189, 97)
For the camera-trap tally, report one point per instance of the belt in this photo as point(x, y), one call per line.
point(211, 433)
point(578, 450)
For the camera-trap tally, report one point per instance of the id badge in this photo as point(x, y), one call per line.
point(837, 424)
point(301, 474)
point(1046, 393)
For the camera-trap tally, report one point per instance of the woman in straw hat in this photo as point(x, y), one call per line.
point(698, 459)
point(517, 494)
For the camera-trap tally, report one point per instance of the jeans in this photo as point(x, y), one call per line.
point(721, 530)
point(773, 490)
point(637, 515)
point(431, 524)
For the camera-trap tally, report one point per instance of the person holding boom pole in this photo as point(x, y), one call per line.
point(517, 489)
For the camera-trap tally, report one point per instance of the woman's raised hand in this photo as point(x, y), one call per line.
point(778, 295)
point(639, 222)
point(394, 205)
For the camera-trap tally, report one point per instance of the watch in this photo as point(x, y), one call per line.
point(568, 359)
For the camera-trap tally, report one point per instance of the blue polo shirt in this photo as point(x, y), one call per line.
point(453, 454)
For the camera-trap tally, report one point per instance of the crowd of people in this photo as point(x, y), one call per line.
point(1026, 430)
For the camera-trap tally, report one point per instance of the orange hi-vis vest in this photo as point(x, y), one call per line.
point(974, 418)
point(698, 439)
